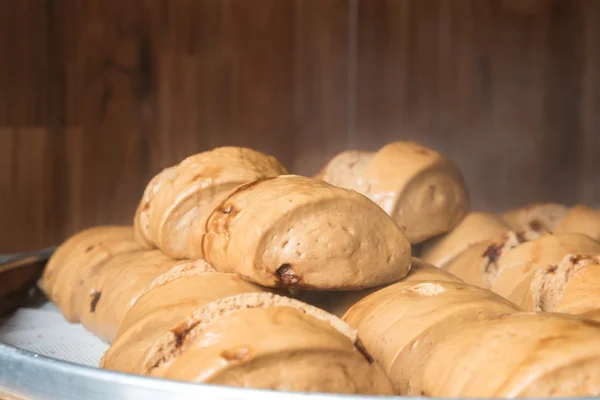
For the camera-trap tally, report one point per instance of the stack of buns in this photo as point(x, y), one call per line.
point(237, 273)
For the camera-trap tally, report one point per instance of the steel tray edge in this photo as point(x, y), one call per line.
point(35, 377)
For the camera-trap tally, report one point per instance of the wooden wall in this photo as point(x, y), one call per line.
point(96, 96)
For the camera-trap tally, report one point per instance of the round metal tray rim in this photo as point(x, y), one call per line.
point(71, 381)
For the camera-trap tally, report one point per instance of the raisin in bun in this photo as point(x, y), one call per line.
point(180, 194)
point(261, 340)
point(516, 269)
point(297, 232)
point(543, 217)
point(475, 228)
point(77, 258)
point(400, 324)
point(167, 300)
point(572, 286)
point(478, 265)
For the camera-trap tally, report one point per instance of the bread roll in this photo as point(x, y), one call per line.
point(517, 355)
point(475, 228)
point(298, 232)
point(423, 191)
point(79, 255)
point(593, 315)
point(581, 219)
point(572, 286)
point(478, 264)
point(338, 303)
point(170, 298)
point(269, 342)
point(469, 265)
point(105, 294)
point(108, 272)
point(178, 195)
point(542, 217)
point(347, 169)
point(400, 323)
point(517, 268)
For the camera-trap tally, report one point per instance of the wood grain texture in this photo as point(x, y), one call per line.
point(25, 211)
point(505, 88)
point(114, 91)
point(590, 105)
point(97, 96)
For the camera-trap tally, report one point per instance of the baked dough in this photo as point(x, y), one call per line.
point(104, 294)
point(170, 298)
point(478, 264)
point(423, 191)
point(593, 315)
point(572, 286)
point(108, 273)
point(180, 194)
point(400, 324)
point(81, 253)
point(517, 355)
point(542, 217)
point(470, 264)
point(517, 267)
point(338, 303)
point(270, 342)
point(551, 217)
point(581, 219)
point(475, 228)
point(298, 232)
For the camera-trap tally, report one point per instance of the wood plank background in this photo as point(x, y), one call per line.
point(96, 96)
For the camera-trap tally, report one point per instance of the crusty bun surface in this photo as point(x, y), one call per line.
point(475, 228)
point(261, 340)
point(517, 355)
point(183, 193)
point(419, 188)
point(297, 232)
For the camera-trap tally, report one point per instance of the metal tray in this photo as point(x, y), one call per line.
point(34, 377)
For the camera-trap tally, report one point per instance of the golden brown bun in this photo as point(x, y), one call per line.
point(400, 324)
point(180, 194)
point(347, 169)
point(593, 315)
point(478, 264)
point(542, 217)
point(517, 355)
point(551, 217)
point(572, 286)
point(516, 268)
point(475, 228)
point(581, 219)
point(169, 299)
point(338, 303)
point(298, 232)
point(105, 275)
point(469, 265)
point(423, 191)
point(105, 294)
point(77, 258)
point(260, 340)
